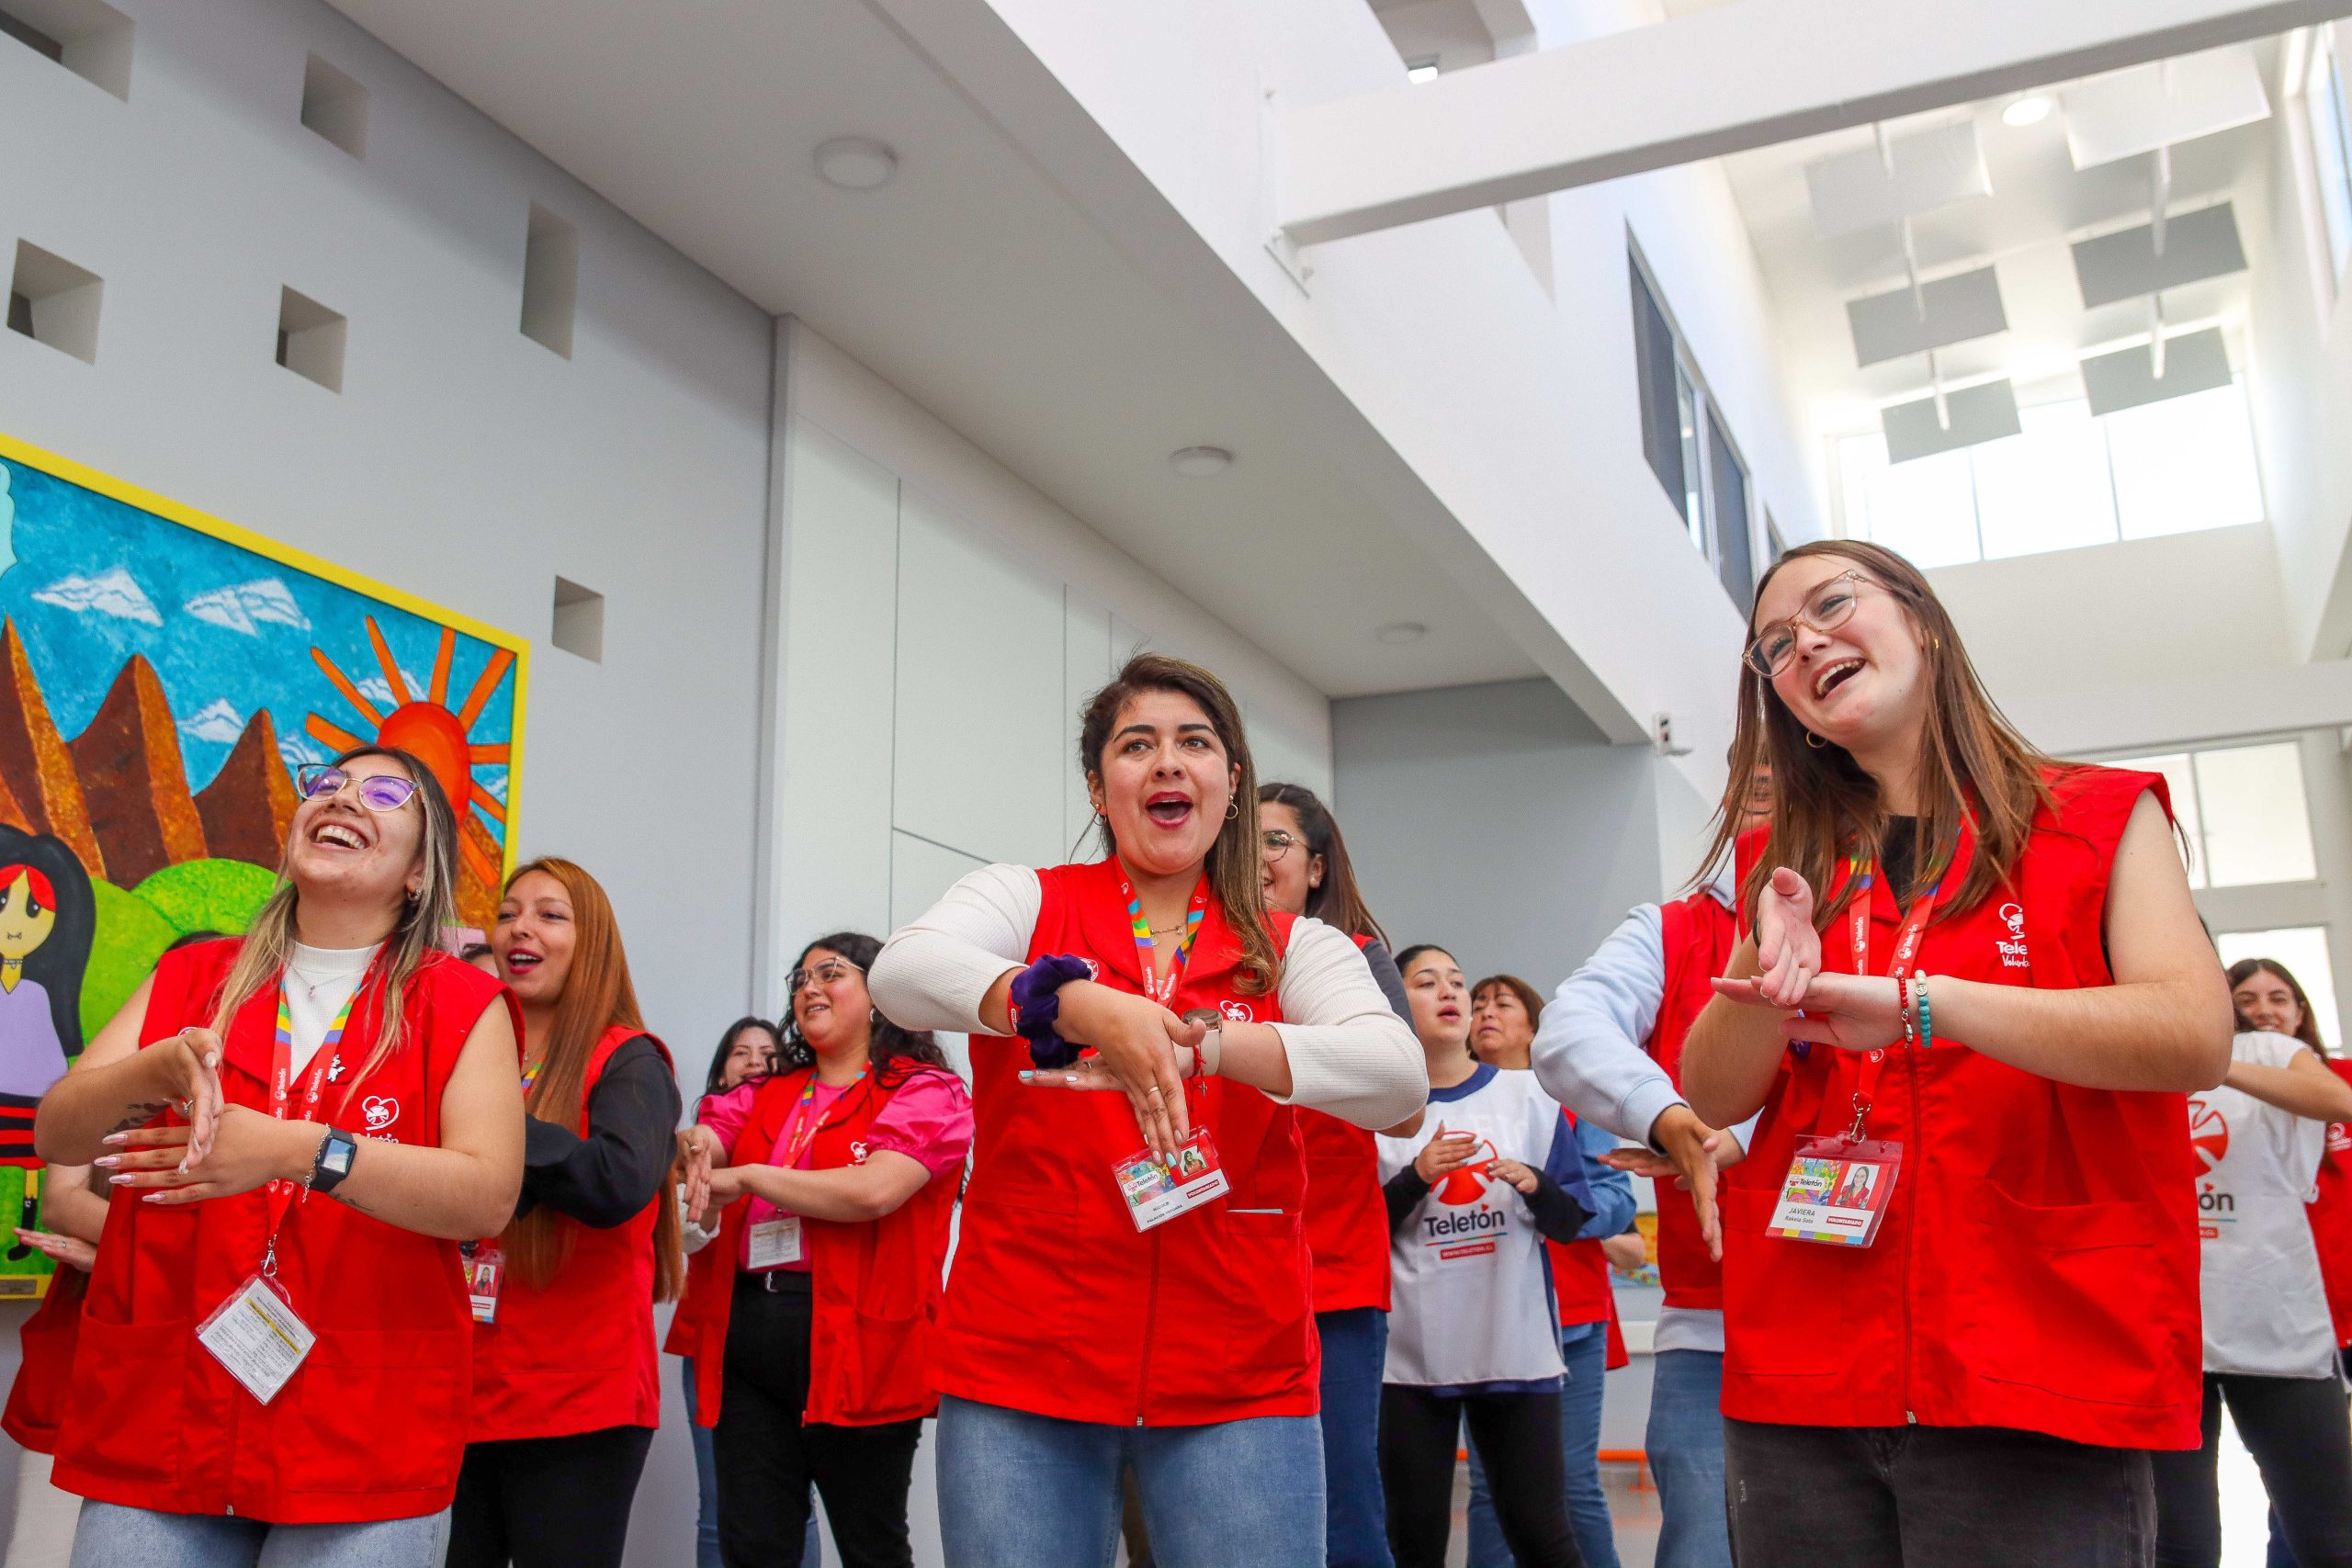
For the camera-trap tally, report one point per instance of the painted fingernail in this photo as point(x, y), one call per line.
point(120, 1181)
point(1028, 1076)
point(107, 1162)
point(116, 1138)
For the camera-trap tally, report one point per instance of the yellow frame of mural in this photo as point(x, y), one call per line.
point(220, 529)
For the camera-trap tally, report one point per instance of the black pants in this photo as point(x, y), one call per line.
point(1519, 1440)
point(766, 1457)
point(2300, 1438)
point(548, 1502)
point(1933, 1497)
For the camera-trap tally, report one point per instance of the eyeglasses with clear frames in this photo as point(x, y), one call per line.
point(377, 792)
point(825, 972)
point(1277, 843)
point(1831, 606)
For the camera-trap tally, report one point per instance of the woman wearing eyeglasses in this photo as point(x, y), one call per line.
point(811, 1315)
point(567, 1390)
point(1978, 973)
point(1099, 1315)
point(298, 1126)
point(1309, 872)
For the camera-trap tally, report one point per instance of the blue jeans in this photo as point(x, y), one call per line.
point(1355, 1520)
point(1685, 1443)
point(706, 1480)
point(111, 1536)
point(1022, 1490)
point(1589, 1520)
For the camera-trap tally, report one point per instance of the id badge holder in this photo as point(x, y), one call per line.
point(485, 1273)
point(776, 1242)
point(1837, 1190)
point(257, 1335)
point(1158, 1190)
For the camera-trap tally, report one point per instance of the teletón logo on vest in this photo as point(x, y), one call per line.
point(1470, 1231)
point(2208, 1134)
point(2013, 949)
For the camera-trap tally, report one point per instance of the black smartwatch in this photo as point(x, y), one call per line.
point(332, 1162)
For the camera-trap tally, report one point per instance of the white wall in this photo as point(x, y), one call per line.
point(1496, 822)
point(461, 461)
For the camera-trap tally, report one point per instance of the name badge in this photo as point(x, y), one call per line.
point(1837, 1190)
point(776, 1242)
point(1157, 1189)
point(257, 1337)
point(485, 1271)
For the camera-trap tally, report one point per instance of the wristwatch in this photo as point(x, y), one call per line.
point(1210, 1050)
point(332, 1162)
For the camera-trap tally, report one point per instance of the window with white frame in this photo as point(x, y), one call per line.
point(2242, 812)
point(2326, 117)
point(2067, 479)
point(1694, 457)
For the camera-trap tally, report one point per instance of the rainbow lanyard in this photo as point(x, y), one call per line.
point(1164, 992)
point(531, 1073)
point(282, 1085)
point(804, 1124)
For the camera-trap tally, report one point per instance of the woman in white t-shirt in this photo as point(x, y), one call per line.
point(1491, 1170)
point(2270, 1342)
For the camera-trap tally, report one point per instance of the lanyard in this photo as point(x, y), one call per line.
point(531, 1073)
point(323, 1061)
point(1164, 992)
point(802, 1129)
point(1864, 875)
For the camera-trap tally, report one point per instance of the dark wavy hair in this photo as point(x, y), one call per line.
point(711, 1083)
point(1338, 903)
point(892, 1052)
point(2244, 969)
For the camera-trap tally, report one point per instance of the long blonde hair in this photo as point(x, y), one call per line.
point(1973, 763)
point(598, 994)
point(415, 937)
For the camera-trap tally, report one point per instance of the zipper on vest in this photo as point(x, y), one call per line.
point(1911, 1230)
point(1150, 1320)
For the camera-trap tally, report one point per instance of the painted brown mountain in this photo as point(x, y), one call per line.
point(37, 776)
point(250, 803)
point(134, 780)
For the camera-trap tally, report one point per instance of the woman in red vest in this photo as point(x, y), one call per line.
point(811, 1315)
point(566, 1391)
point(1133, 1281)
point(301, 1126)
point(40, 1532)
point(1976, 973)
point(1309, 872)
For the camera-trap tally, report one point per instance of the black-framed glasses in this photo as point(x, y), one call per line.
point(1278, 843)
point(825, 972)
point(377, 792)
point(1831, 606)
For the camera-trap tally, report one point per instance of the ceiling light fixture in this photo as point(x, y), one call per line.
point(1401, 632)
point(1200, 462)
point(856, 162)
point(2031, 109)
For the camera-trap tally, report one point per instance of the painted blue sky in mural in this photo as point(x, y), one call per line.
point(89, 581)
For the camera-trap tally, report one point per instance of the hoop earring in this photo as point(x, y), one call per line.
point(1816, 741)
point(1233, 808)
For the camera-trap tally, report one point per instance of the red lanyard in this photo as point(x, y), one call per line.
point(805, 1123)
point(1164, 992)
point(280, 1195)
point(1863, 877)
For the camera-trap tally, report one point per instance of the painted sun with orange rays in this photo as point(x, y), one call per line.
point(441, 737)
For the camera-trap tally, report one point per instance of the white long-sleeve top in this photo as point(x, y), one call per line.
point(1349, 1053)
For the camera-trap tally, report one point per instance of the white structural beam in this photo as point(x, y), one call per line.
point(1714, 82)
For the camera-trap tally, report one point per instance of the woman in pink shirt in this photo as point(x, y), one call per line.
point(811, 1312)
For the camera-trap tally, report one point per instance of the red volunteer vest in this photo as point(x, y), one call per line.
point(875, 1286)
point(576, 1354)
point(1580, 1281)
point(2331, 1216)
point(1057, 1305)
point(45, 1367)
point(1699, 934)
point(372, 1427)
point(1347, 1218)
point(2037, 1268)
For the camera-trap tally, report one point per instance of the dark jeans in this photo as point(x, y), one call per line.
point(2300, 1438)
point(1518, 1435)
point(766, 1457)
point(548, 1502)
point(1355, 1522)
point(1933, 1497)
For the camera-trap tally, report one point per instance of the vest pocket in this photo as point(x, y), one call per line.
point(378, 1409)
point(1784, 1301)
point(2066, 1306)
point(125, 1409)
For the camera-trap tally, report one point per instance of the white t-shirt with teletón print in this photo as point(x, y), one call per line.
point(2265, 1309)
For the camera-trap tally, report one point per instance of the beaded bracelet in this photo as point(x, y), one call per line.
point(1927, 1018)
point(1903, 1005)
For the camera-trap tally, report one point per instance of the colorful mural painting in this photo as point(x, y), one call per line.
point(162, 675)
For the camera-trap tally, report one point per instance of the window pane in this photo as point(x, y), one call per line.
point(1924, 510)
point(1686, 406)
point(1735, 561)
point(1655, 374)
point(2180, 781)
point(2301, 950)
point(2256, 827)
point(2047, 488)
point(2185, 463)
point(2323, 108)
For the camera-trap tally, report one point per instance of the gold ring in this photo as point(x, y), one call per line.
point(1153, 1091)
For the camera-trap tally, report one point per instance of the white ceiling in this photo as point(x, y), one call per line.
point(2039, 204)
point(970, 282)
